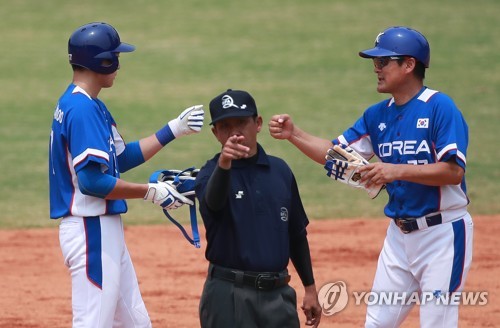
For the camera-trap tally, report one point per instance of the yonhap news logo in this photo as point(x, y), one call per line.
point(333, 298)
point(421, 298)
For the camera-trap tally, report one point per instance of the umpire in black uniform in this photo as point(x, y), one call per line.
point(255, 223)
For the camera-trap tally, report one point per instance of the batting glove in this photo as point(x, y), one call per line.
point(189, 121)
point(165, 195)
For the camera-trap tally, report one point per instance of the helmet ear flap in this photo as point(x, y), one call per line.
point(110, 65)
point(95, 46)
point(109, 61)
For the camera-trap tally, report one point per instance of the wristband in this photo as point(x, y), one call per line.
point(165, 135)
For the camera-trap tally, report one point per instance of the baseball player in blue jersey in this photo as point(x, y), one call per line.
point(420, 139)
point(86, 157)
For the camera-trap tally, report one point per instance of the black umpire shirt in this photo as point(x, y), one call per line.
point(262, 214)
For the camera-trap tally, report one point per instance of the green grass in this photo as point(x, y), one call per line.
point(294, 56)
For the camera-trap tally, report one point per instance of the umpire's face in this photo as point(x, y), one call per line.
point(248, 127)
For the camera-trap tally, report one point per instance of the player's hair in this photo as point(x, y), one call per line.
point(77, 68)
point(418, 71)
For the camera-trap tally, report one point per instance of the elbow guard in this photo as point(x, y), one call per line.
point(92, 182)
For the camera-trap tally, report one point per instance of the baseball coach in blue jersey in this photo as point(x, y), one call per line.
point(86, 156)
point(255, 223)
point(419, 138)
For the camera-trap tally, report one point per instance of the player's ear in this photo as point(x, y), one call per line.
point(410, 63)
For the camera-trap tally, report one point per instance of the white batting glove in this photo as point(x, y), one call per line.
point(165, 195)
point(189, 121)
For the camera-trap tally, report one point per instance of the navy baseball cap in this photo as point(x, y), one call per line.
point(232, 103)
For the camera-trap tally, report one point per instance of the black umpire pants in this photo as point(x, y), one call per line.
point(226, 304)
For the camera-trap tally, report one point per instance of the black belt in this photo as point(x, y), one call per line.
point(257, 280)
point(409, 225)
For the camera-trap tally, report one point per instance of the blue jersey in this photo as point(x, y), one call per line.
point(427, 129)
point(83, 130)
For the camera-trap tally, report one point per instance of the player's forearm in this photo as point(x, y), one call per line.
point(127, 190)
point(438, 174)
point(313, 147)
point(150, 146)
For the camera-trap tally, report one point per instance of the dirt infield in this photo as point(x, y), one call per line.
point(35, 285)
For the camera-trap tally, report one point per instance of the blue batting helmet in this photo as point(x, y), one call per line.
point(400, 41)
point(95, 46)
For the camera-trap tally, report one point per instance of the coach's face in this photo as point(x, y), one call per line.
point(392, 74)
point(248, 127)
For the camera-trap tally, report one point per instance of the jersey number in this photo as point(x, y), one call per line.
point(418, 161)
point(51, 154)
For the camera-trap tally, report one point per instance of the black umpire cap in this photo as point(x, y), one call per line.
point(232, 103)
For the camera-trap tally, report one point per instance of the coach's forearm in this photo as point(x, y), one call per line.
point(313, 147)
point(438, 174)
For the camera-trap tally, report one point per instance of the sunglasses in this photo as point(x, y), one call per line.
point(381, 62)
